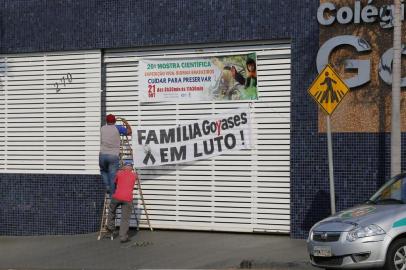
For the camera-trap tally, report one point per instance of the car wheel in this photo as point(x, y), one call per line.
point(396, 255)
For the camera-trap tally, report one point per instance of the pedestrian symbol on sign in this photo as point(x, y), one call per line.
point(328, 89)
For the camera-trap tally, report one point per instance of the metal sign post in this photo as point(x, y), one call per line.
point(330, 166)
point(328, 90)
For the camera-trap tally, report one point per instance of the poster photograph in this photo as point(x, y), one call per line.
point(216, 78)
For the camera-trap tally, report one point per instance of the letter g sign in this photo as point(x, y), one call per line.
point(363, 66)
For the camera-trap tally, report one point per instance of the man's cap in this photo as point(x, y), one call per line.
point(128, 162)
point(110, 119)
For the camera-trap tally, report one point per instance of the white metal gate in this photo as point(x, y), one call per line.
point(50, 112)
point(244, 191)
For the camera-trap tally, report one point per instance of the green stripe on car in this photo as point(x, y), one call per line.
point(399, 223)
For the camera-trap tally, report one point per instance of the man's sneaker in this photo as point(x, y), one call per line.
point(125, 240)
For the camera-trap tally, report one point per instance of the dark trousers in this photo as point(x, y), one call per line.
point(126, 208)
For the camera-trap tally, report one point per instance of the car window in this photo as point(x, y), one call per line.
point(393, 192)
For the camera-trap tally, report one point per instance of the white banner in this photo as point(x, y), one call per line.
point(195, 140)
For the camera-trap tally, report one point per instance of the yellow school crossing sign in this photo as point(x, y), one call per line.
point(328, 89)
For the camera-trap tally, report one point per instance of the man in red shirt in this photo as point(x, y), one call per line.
point(123, 195)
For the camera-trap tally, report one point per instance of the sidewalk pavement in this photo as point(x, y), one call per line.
point(154, 250)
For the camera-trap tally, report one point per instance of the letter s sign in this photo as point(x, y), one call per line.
point(363, 66)
point(385, 67)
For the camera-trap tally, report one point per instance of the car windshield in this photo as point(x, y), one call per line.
point(392, 192)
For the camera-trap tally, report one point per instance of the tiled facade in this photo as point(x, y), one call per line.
point(35, 204)
point(52, 204)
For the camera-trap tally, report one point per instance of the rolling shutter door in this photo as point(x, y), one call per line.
point(244, 191)
point(50, 112)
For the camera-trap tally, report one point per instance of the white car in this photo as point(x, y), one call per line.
point(366, 236)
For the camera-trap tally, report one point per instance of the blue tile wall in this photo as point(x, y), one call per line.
point(71, 204)
point(43, 25)
point(37, 204)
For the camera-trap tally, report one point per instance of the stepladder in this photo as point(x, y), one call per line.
point(104, 232)
point(126, 153)
point(143, 204)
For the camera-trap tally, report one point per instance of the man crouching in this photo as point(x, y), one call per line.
point(123, 195)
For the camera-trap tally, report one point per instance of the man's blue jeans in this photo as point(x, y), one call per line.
point(108, 167)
